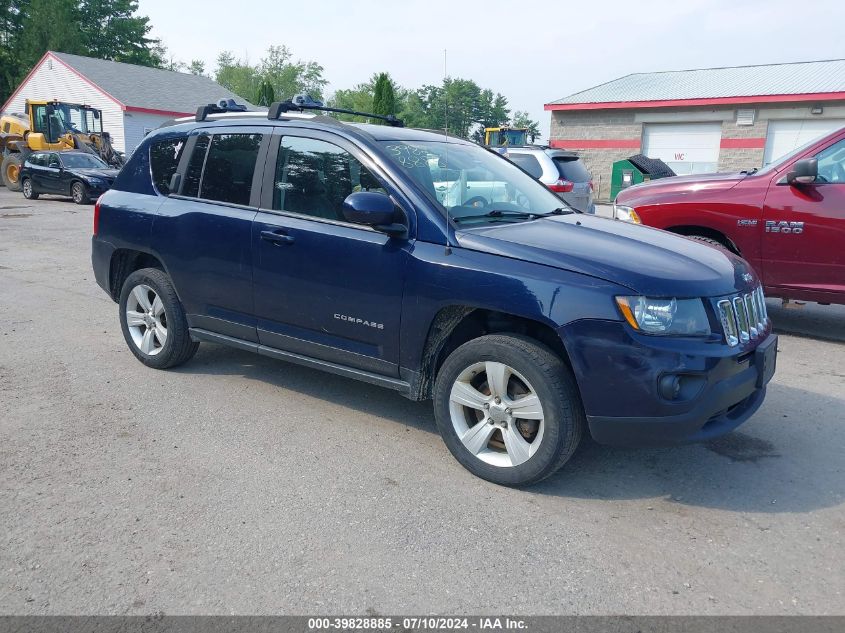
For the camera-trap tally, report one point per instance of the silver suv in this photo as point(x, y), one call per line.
point(560, 170)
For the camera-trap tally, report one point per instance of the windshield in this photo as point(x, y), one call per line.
point(780, 162)
point(83, 161)
point(474, 185)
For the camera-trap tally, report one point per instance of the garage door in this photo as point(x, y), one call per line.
point(688, 148)
point(784, 136)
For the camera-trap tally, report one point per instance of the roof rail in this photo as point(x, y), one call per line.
point(306, 102)
point(224, 105)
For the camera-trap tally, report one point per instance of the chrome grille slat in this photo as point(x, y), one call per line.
point(744, 316)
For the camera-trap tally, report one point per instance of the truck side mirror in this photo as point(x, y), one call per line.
point(804, 172)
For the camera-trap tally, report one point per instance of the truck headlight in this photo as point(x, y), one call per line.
point(679, 317)
point(626, 214)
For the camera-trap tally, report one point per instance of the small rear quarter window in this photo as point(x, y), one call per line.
point(164, 159)
point(571, 169)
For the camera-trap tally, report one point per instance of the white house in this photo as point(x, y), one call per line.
point(134, 99)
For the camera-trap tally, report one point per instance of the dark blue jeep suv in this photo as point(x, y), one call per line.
point(432, 266)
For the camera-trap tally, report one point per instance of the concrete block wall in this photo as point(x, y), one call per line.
point(602, 137)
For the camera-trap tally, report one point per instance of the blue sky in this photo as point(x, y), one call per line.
point(532, 51)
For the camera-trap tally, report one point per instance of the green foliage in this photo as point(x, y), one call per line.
point(286, 76)
point(384, 96)
point(521, 119)
point(197, 67)
point(107, 29)
point(459, 106)
point(265, 95)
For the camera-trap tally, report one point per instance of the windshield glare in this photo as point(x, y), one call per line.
point(469, 181)
point(82, 161)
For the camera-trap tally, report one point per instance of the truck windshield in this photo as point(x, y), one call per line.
point(472, 183)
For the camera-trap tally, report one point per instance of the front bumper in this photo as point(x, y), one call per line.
point(619, 373)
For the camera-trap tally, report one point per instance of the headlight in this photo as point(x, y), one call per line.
point(91, 180)
point(626, 214)
point(680, 317)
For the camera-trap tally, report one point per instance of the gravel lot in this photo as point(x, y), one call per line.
point(237, 484)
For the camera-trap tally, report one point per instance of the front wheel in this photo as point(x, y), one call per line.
point(153, 321)
point(508, 409)
point(28, 191)
point(79, 193)
point(11, 172)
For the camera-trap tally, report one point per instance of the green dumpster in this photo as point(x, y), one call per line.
point(634, 170)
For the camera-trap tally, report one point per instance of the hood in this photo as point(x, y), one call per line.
point(649, 261)
point(107, 174)
point(679, 185)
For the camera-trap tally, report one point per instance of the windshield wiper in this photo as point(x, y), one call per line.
point(750, 172)
point(497, 213)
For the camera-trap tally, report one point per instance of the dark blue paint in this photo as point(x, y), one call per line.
point(354, 298)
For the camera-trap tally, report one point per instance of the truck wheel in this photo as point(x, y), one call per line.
point(11, 170)
point(28, 191)
point(508, 409)
point(710, 241)
point(153, 321)
point(79, 193)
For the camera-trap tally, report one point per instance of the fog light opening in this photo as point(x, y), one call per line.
point(669, 386)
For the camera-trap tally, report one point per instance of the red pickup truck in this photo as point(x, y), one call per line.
point(787, 219)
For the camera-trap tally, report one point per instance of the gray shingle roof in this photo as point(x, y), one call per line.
point(152, 88)
point(712, 83)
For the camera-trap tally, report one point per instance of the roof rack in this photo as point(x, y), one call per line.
point(301, 103)
point(224, 105)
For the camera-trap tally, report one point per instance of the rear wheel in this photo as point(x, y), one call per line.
point(79, 193)
point(508, 409)
point(11, 171)
point(28, 191)
point(153, 321)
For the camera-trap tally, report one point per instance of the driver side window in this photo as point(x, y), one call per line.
point(832, 164)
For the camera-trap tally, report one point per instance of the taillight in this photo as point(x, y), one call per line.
point(97, 215)
point(562, 186)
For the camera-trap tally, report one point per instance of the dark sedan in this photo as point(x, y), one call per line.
point(80, 175)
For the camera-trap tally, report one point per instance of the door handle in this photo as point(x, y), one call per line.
point(277, 238)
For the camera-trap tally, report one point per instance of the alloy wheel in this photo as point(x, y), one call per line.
point(27, 188)
point(496, 414)
point(77, 193)
point(146, 320)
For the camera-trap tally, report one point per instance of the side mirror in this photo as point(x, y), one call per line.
point(804, 172)
point(372, 209)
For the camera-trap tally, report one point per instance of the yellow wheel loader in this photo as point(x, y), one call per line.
point(55, 126)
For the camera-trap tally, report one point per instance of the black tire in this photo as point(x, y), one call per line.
point(178, 347)
point(79, 193)
point(709, 240)
point(28, 190)
point(554, 385)
point(12, 162)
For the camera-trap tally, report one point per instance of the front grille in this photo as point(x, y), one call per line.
point(743, 317)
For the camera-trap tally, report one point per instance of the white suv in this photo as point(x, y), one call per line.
point(561, 171)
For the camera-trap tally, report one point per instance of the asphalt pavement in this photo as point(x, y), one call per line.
point(238, 484)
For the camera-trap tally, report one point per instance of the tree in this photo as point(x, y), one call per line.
point(384, 96)
point(107, 29)
point(288, 77)
point(111, 29)
point(521, 119)
point(265, 95)
point(197, 67)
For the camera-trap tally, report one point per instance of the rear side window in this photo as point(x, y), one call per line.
point(528, 163)
point(194, 173)
point(164, 159)
point(229, 168)
point(571, 169)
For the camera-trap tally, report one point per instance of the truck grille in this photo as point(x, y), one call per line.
point(743, 317)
